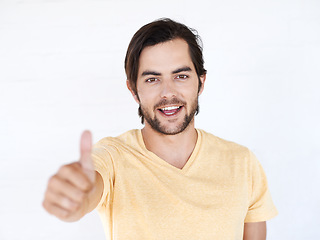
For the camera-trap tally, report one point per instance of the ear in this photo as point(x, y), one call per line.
point(202, 80)
point(136, 98)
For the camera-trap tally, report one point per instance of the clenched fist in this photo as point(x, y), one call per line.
point(76, 188)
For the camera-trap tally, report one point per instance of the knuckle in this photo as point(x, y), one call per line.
point(46, 197)
point(80, 196)
point(62, 214)
point(52, 180)
point(48, 207)
point(65, 202)
point(87, 186)
point(45, 205)
point(59, 210)
point(65, 169)
point(53, 183)
point(68, 168)
point(70, 205)
point(84, 184)
point(75, 206)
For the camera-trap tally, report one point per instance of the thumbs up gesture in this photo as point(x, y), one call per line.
point(85, 157)
point(69, 191)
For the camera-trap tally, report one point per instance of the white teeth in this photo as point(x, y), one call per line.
point(169, 108)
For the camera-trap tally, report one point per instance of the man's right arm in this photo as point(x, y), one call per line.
point(76, 188)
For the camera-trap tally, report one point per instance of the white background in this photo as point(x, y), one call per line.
point(61, 71)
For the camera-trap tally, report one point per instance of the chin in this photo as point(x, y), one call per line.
point(170, 130)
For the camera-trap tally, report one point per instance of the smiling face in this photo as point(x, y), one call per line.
point(167, 87)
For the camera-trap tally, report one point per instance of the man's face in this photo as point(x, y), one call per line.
point(167, 86)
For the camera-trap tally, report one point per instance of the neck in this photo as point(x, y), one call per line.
point(174, 149)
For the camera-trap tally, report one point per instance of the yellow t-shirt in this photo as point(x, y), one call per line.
point(221, 186)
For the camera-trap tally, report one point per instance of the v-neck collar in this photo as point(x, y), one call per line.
point(164, 163)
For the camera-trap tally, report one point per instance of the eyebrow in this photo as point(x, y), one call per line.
point(145, 73)
point(182, 69)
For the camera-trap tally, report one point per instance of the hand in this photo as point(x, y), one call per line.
point(67, 193)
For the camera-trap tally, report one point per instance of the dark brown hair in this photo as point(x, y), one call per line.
point(160, 31)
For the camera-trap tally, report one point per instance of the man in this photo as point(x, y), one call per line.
point(168, 180)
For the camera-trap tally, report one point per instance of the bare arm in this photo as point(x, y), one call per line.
point(255, 231)
point(76, 188)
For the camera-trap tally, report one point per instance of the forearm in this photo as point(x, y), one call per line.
point(255, 231)
point(95, 197)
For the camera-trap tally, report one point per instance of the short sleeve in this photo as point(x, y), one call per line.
point(103, 164)
point(261, 207)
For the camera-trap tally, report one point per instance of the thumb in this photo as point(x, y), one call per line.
point(85, 155)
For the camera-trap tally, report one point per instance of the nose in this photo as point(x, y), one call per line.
point(168, 89)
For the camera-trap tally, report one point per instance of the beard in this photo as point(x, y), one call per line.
point(156, 124)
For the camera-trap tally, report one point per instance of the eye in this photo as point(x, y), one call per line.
point(151, 80)
point(182, 76)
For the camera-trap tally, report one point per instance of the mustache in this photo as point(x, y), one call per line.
point(164, 102)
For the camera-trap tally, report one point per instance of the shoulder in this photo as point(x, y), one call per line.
point(212, 142)
point(125, 138)
point(127, 141)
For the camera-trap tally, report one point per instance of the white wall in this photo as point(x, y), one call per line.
point(61, 71)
